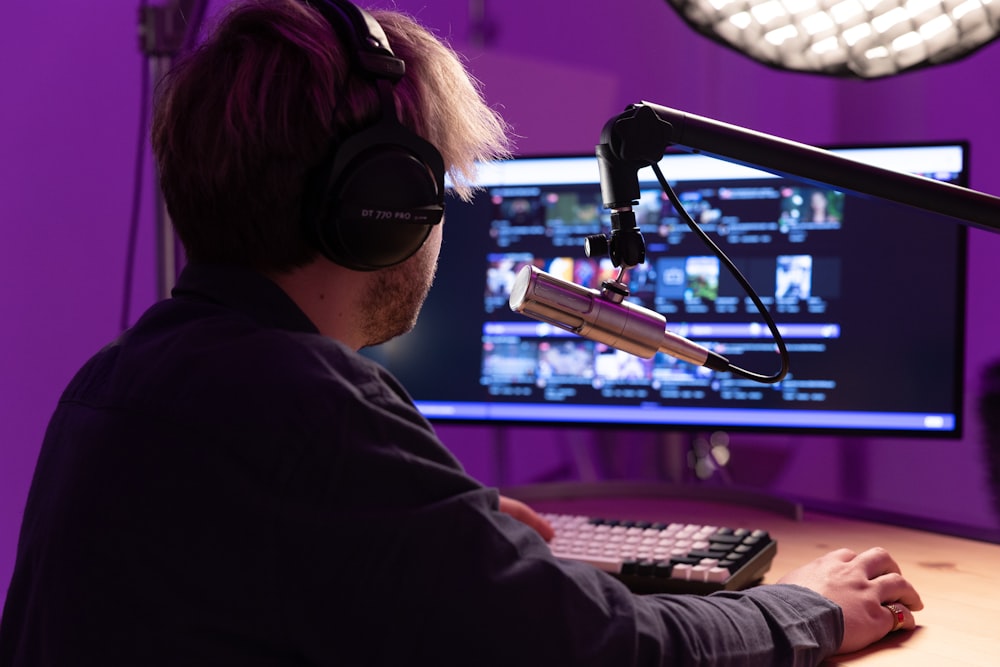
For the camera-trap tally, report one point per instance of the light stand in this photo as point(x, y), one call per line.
point(165, 31)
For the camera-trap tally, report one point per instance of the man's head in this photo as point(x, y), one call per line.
point(243, 120)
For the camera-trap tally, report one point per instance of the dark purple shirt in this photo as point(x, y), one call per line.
point(223, 485)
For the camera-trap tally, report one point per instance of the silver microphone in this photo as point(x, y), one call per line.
point(587, 312)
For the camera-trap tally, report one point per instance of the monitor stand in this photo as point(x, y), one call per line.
point(690, 466)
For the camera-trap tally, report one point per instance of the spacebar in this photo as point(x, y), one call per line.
point(606, 563)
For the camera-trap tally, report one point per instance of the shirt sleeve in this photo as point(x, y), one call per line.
point(766, 625)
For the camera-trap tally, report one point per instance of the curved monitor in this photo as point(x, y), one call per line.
point(868, 295)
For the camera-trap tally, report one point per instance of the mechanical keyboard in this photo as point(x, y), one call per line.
point(665, 557)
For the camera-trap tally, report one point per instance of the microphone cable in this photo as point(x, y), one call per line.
point(744, 283)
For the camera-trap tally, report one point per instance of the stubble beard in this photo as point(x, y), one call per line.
point(395, 296)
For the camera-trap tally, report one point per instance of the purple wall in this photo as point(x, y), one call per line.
point(70, 74)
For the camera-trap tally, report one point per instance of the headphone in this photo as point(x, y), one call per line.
point(374, 198)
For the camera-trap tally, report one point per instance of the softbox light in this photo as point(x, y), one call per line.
point(851, 38)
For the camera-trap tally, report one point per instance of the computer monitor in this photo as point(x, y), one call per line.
point(868, 295)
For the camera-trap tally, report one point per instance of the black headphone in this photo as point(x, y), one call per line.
point(374, 198)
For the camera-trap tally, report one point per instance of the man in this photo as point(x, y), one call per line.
point(231, 483)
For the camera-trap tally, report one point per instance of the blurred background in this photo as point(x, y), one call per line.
point(71, 143)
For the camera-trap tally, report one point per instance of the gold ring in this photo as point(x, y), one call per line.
point(897, 615)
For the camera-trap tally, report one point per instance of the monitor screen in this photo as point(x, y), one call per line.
point(868, 295)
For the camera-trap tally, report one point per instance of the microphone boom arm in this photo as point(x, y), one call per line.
point(641, 134)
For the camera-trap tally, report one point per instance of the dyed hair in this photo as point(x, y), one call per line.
point(240, 121)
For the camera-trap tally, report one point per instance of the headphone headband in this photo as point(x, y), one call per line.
point(365, 37)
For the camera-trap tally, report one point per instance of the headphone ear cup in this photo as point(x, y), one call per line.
point(379, 199)
point(373, 201)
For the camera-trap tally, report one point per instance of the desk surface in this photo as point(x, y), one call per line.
point(956, 578)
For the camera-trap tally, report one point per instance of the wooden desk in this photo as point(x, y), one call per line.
point(957, 578)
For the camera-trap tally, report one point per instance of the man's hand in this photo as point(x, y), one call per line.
point(862, 584)
point(525, 514)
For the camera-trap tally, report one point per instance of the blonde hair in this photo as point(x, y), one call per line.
point(242, 119)
point(443, 102)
